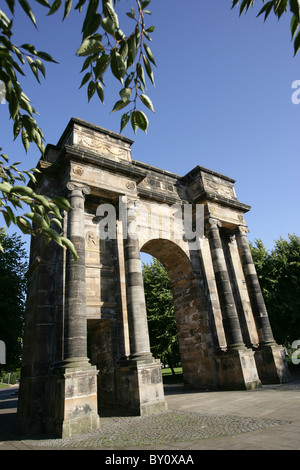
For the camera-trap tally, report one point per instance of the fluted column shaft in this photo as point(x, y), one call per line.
point(229, 313)
point(258, 306)
point(136, 304)
point(75, 323)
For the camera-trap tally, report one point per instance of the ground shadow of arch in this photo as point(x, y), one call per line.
point(192, 315)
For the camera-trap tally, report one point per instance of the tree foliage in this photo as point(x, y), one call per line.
point(160, 313)
point(103, 46)
point(278, 7)
point(13, 264)
point(279, 275)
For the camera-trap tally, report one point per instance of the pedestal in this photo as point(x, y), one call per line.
point(271, 364)
point(139, 388)
point(237, 370)
point(73, 407)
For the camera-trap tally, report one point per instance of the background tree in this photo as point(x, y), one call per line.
point(160, 313)
point(279, 274)
point(13, 265)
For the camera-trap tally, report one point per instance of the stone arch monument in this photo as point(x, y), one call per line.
point(86, 344)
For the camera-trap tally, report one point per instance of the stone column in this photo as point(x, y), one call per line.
point(258, 306)
point(236, 368)
point(75, 323)
point(139, 383)
point(270, 359)
point(73, 385)
point(136, 305)
point(230, 316)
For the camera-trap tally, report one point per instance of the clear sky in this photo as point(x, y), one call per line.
point(222, 100)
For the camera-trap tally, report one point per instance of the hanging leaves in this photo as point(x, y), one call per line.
point(105, 47)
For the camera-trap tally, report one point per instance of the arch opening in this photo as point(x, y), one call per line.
point(194, 337)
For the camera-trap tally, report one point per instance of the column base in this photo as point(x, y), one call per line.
point(139, 388)
point(237, 370)
point(271, 364)
point(73, 405)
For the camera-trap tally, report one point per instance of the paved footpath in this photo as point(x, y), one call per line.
point(264, 419)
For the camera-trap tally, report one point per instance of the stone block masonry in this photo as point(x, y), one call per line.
point(86, 344)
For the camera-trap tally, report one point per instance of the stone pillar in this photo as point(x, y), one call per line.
point(136, 305)
point(236, 367)
point(139, 378)
point(258, 306)
point(75, 324)
point(73, 384)
point(230, 316)
point(270, 356)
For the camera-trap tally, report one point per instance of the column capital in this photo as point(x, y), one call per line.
point(242, 229)
point(214, 223)
point(78, 189)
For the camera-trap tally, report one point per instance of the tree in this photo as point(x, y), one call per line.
point(160, 313)
point(103, 45)
point(279, 274)
point(13, 265)
point(279, 7)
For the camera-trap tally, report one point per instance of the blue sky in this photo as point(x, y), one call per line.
point(222, 100)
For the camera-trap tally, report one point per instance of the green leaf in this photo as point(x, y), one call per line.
point(26, 7)
point(133, 121)
point(91, 89)
point(124, 121)
point(62, 202)
point(146, 101)
point(125, 94)
point(100, 92)
point(13, 104)
point(149, 54)
point(37, 219)
point(294, 26)
point(24, 225)
point(55, 6)
point(45, 56)
point(108, 25)
point(4, 156)
point(113, 15)
point(148, 69)
point(145, 3)
point(118, 66)
point(131, 14)
point(140, 73)
point(85, 79)
point(89, 46)
point(23, 190)
point(11, 214)
point(142, 120)
point(119, 105)
point(69, 245)
point(297, 44)
point(92, 25)
point(52, 234)
point(68, 5)
point(295, 8)
point(101, 65)
point(132, 50)
point(45, 201)
point(25, 140)
point(5, 187)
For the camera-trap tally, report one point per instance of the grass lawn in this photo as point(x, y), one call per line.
point(4, 385)
point(167, 371)
point(169, 378)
